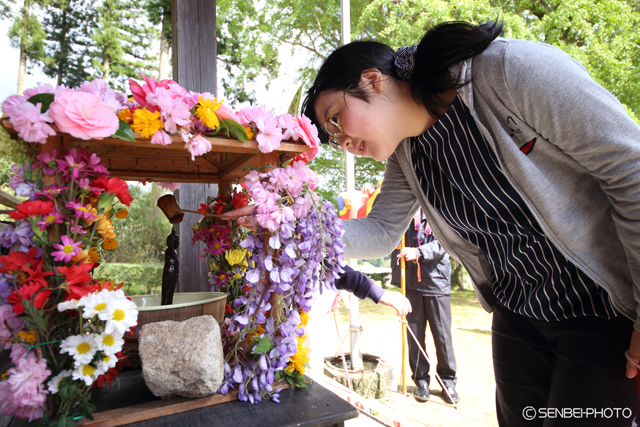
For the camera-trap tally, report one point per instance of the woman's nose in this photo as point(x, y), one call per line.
point(346, 142)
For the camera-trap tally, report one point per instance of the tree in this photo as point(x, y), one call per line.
point(159, 13)
point(27, 35)
point(122, 43)
point(68, 25)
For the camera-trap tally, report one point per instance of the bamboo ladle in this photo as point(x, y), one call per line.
point(170, 208)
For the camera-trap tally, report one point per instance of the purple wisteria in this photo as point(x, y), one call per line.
point(296, 231)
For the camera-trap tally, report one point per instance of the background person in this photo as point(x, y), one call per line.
point(428, 289)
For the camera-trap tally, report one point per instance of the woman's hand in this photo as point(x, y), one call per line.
point(243, 215)
point(409, 254)
point(398, 301)
point(634, 354)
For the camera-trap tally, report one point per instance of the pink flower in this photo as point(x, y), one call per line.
point(93, 162)
point(47, 161)
point(10, 322)
point(161, 138)
point(269, 134)
point(53, 217)
point(23, 393)
point(171, 186)
point(251, 114)
point(309, 136)
point(42, 88)
point(11, 103)
point(71, 164)
point(197, 146)
point(83, 115)
point(80, 210)
point(67, 250)
point(98, 87)
point(292, 130)
point(30, 123)
point(173, 111)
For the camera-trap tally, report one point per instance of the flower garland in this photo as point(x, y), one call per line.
point(65, 329)
point(157, 110)
point(272, 277)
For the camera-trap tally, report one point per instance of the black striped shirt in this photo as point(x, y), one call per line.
point(462, 179)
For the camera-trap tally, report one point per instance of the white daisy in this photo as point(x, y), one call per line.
point(121, 315)
point(109, 343)
point(54, 382)
point(73, 304)
point(86, 373)
point(81, 347)
point(108, 361)
point(96, 303)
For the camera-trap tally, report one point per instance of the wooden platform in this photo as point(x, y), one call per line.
point(228, 161)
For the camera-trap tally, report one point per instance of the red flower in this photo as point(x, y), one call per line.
point(115, 186)
point(228, 309)
point(79, 280)
point(17, 260)
point(203, 208)
point(33, 208)
point(27, 292)
point(300, 157)
point(36, 274)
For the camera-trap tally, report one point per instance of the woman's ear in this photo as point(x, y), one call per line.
point(371, 77)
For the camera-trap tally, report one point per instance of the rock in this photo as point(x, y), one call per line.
point(182, 358)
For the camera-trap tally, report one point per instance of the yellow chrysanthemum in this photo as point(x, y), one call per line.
point(110, 244)
point(235, 256)
point(146, 122)
point(105, 228)
point(304, 319)
point(250, 133)
point(27, 336)
point(301, 357)
point(206, 112)
point(122, 213)
point(259, 331)
point(94, 256)
point(125, 115)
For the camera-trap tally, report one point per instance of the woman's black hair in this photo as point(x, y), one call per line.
point(440, 48)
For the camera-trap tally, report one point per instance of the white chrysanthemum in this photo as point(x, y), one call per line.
point(81, 347)
point(108, 361)
point(54, 382)
point(86, 373)
point(110, 343)
point(73, 304)
point(96, 303)
point(121, 315)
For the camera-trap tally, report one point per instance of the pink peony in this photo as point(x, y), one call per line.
point(23, 393)
point(98, 87)
point(11, 103)
point(83, 115)
point(309, 136)
point(31, 123)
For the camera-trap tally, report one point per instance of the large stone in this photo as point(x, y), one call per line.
point(182, 358)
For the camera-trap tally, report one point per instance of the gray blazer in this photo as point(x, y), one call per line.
point(581, 180)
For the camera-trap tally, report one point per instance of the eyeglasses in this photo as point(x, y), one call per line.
point(332, 127)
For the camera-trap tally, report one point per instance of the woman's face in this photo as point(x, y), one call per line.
point(367, 126)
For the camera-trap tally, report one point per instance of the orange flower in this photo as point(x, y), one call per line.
point(122, 213)
point(250, 133)
point(125, 115)
point(110, 244)
point(105, 228)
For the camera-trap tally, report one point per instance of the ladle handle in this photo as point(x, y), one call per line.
point(201, 213)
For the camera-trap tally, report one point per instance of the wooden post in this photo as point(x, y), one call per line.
point(194, 46)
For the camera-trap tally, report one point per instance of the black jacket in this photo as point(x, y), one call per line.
point(435, 266)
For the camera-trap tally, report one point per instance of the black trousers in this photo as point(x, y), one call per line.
point(566, 373)
point(436, 311)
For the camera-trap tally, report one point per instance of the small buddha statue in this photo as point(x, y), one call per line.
point(171, 268)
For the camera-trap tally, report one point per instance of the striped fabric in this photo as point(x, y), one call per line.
point(462, 179)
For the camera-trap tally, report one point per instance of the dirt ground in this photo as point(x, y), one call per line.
point(381, 336)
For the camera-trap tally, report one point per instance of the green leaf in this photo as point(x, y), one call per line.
point(236, 130)
point(294, 107)
point(124, 131)
point(263, 346)
point(44, 98)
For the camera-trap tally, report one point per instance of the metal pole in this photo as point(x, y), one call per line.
point(403, 289)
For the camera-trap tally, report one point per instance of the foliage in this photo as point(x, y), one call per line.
point(12, 151)
point(143, 235)
point(136, 279)
point(68, 24)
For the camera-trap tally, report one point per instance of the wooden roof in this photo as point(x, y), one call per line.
point(228, 161)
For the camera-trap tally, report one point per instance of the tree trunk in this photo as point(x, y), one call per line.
point(165, 47)
point(22, 67)
point(106, 69)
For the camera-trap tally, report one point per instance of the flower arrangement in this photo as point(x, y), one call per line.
point(271, 276)
point(65, 329)
point(157, 110)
